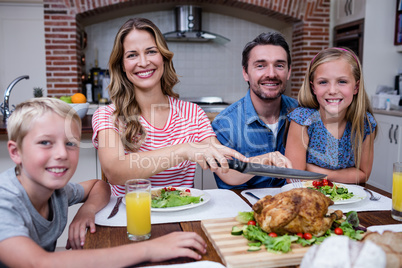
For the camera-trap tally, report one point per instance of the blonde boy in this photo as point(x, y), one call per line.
point(44, 136)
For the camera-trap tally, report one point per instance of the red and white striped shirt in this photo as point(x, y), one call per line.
point(187, 122)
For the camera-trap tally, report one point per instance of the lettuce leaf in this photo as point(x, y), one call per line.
point(173, 199)
point(244, 217)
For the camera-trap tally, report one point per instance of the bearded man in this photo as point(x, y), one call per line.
point(255, 125)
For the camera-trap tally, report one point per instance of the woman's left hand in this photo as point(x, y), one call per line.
point(210, 152)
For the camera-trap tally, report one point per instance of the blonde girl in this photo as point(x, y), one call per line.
point(333, 130)
point(148, 132)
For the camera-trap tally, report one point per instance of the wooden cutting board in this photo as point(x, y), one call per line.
point(233, 249)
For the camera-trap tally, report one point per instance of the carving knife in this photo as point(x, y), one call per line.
point(273, 171)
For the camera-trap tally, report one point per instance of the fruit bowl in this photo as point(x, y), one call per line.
point(80, 108)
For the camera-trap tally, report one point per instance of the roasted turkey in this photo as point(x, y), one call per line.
point(299, 210)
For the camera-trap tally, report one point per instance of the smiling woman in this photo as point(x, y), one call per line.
point(148, 132)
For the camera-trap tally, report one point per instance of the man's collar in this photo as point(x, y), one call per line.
point(250, 112)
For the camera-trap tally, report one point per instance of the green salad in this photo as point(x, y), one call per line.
point(172, 197)
point(334, 191)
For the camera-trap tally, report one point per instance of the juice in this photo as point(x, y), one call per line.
point(397, 191)
point(138, 206)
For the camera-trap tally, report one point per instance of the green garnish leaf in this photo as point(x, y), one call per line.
point(244, 217)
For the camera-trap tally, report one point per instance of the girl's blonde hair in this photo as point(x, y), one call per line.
point(357, 111)
point(121, 90)
point(20, 121)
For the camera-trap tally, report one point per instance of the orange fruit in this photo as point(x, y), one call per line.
point(78, 98)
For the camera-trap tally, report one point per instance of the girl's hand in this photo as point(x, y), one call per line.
point(174, 245)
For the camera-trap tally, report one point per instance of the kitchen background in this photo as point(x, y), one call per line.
point(39, 38)
point(205, 69)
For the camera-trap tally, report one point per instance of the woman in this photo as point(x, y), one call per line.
point(148, 132)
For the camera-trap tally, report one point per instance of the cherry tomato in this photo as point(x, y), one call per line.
point(187, 190)
point(330, 183)
point(300, 235)
point(338, 231)
point(315, 183)
point(272, 234)
point(172, 189)
point(324, 182)
point(251, 223)
point(307, 236)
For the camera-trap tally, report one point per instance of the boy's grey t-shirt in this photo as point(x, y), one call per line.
point(18, 217)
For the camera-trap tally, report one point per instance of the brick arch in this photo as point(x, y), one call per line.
point(310, 20)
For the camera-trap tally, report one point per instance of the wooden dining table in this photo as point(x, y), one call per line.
point(106, 236)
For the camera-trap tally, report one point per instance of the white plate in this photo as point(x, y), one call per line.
point(359, 194)
point(194, 192)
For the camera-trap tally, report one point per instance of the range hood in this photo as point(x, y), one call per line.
point(188, 27)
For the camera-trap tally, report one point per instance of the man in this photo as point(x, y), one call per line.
point(255, 125)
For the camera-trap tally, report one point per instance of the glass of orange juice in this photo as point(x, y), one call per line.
point(138, 207)
point(396, 212)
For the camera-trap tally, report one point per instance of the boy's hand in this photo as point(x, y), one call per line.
point(96, 197)
point(78, 228)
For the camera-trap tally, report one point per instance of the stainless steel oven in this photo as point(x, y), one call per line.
point(209, 104)
point(350, 35)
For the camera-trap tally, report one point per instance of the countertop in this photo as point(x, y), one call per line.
point(397, 112)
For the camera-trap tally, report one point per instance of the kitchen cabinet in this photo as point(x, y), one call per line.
point(204, 179)
point(348, 11)
point(387, 150)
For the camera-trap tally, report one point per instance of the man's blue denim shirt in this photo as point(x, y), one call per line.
point(239, 127)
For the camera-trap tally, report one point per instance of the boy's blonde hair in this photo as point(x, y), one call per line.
point(26, 112)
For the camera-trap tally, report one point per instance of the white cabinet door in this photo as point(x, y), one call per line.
point(387, 150)
point(208, 180)
point(204, 179)
point(348, 11)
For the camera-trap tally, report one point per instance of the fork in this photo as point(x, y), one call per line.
point(296, 183)
point(372, 197)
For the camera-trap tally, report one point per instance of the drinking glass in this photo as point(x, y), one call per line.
point(396, 212)
point(138, 206)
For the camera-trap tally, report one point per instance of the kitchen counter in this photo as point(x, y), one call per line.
point(397, 112)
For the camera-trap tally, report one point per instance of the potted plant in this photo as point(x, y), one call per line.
point(38, 92)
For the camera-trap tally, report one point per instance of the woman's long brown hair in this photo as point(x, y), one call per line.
point(121, 90)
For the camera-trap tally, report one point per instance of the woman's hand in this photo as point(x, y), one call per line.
point(210, 152)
